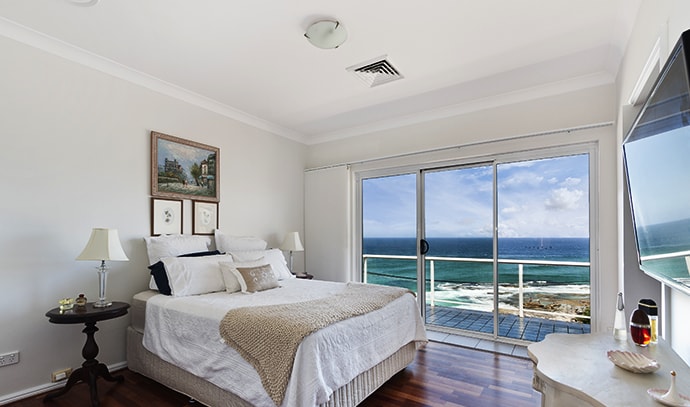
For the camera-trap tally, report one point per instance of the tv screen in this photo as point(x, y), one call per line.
point(657, 161)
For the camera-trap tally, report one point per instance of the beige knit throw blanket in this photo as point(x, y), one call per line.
point(268, 336)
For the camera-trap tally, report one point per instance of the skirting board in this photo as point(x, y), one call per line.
point(44, 388)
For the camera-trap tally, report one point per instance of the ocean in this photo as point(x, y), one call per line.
point(664, 238)
point(470, 284)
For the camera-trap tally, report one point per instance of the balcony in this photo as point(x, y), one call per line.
point(527, 320)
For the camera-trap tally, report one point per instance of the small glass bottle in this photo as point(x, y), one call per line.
point(640, 329)
point(81, 300)
point(619, 330)
point(650, 308)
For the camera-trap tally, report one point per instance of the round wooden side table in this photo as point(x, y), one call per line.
point(91, 369)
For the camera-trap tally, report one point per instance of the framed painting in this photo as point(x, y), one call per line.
point(205, 217)
point(166, 216)
point(184, 169)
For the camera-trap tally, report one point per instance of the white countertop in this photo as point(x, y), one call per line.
point(578, 366)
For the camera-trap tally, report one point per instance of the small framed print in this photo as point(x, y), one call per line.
point(166, 216)
point(205, 217)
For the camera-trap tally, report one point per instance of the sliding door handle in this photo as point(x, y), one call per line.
point(423, 246)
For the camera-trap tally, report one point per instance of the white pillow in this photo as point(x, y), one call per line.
point(158, 247)
point(228, 270)
point(194, 275)
point(226, 243)
point(274, 257)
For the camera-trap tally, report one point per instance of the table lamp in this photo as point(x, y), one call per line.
point(292, 243)
point(104, 244)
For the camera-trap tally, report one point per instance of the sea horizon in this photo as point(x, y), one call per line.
point(470, 284)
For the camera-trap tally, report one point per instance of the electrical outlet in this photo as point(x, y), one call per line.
point(60, 375)
point(9, 358)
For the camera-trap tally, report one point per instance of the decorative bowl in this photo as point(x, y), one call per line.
point(633, 362)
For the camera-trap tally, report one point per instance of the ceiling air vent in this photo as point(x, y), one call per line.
point(376, 72)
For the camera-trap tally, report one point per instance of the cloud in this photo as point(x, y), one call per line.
point(571, 182)
point(522, 178)
point(563, 199)
point(512, 209)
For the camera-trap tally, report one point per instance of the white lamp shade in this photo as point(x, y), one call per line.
point(292, 243)
point(104, 244)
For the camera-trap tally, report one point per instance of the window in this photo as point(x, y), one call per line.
point(508, 240)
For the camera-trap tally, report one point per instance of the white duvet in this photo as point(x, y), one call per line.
point(185, 331)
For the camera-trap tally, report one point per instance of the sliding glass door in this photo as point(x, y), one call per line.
point(389, 244)
point(498, 248)
point(458, 228)
point(543, 246)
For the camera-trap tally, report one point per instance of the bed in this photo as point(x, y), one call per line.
point(177, 339)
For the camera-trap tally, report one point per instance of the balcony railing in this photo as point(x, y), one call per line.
point(520, 263)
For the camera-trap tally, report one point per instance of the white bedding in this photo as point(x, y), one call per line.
point(185, 331)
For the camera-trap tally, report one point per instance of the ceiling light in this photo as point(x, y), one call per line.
point(326, 34)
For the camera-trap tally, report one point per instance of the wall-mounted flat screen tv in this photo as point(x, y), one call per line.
point(657, 161)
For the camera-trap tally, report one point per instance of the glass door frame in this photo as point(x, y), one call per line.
point(590, 148)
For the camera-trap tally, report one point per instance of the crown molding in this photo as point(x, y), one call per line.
point(504, 99)
point(36, 39)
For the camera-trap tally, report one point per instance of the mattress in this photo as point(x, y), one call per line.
point(323, 369)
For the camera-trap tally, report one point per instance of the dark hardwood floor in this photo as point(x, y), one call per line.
point(441, 375)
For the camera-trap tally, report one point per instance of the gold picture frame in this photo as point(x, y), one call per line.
point(184, 169)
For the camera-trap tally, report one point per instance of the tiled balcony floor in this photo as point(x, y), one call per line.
point(509, 326)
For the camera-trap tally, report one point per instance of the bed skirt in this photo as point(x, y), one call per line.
point(142, 361)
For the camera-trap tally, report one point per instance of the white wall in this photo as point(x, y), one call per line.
point(75, 154)
point(662, 20)
point(327, 223)
point(589, 106)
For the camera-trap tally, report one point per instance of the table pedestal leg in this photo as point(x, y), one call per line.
point(89, 371)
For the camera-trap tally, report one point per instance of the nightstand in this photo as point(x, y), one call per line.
point(91, 369)
point(306, 276)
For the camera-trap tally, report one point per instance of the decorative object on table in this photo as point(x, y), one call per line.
point(166, 217)
point(620, 332)
point(204, 218)
point(670, 397)
point(632, 361)
point(184, 169)
point(80, 300)
point(649, 307)
point(104, 244)
point(292, 243)
point(66, 304)
point(640, 328)
point(326, 34)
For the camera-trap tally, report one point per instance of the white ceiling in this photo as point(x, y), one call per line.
point(249, 59)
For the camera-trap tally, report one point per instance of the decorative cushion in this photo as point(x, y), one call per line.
point(274, 257)
point(227, 243)
point(159, 279)
point(194, 275)
point(158, 247)
point(253, 279)
point(228, 271)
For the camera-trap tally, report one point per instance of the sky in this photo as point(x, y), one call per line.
point(658, 177)
point(537, 198)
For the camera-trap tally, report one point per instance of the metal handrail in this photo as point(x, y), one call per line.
point(520, 263)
